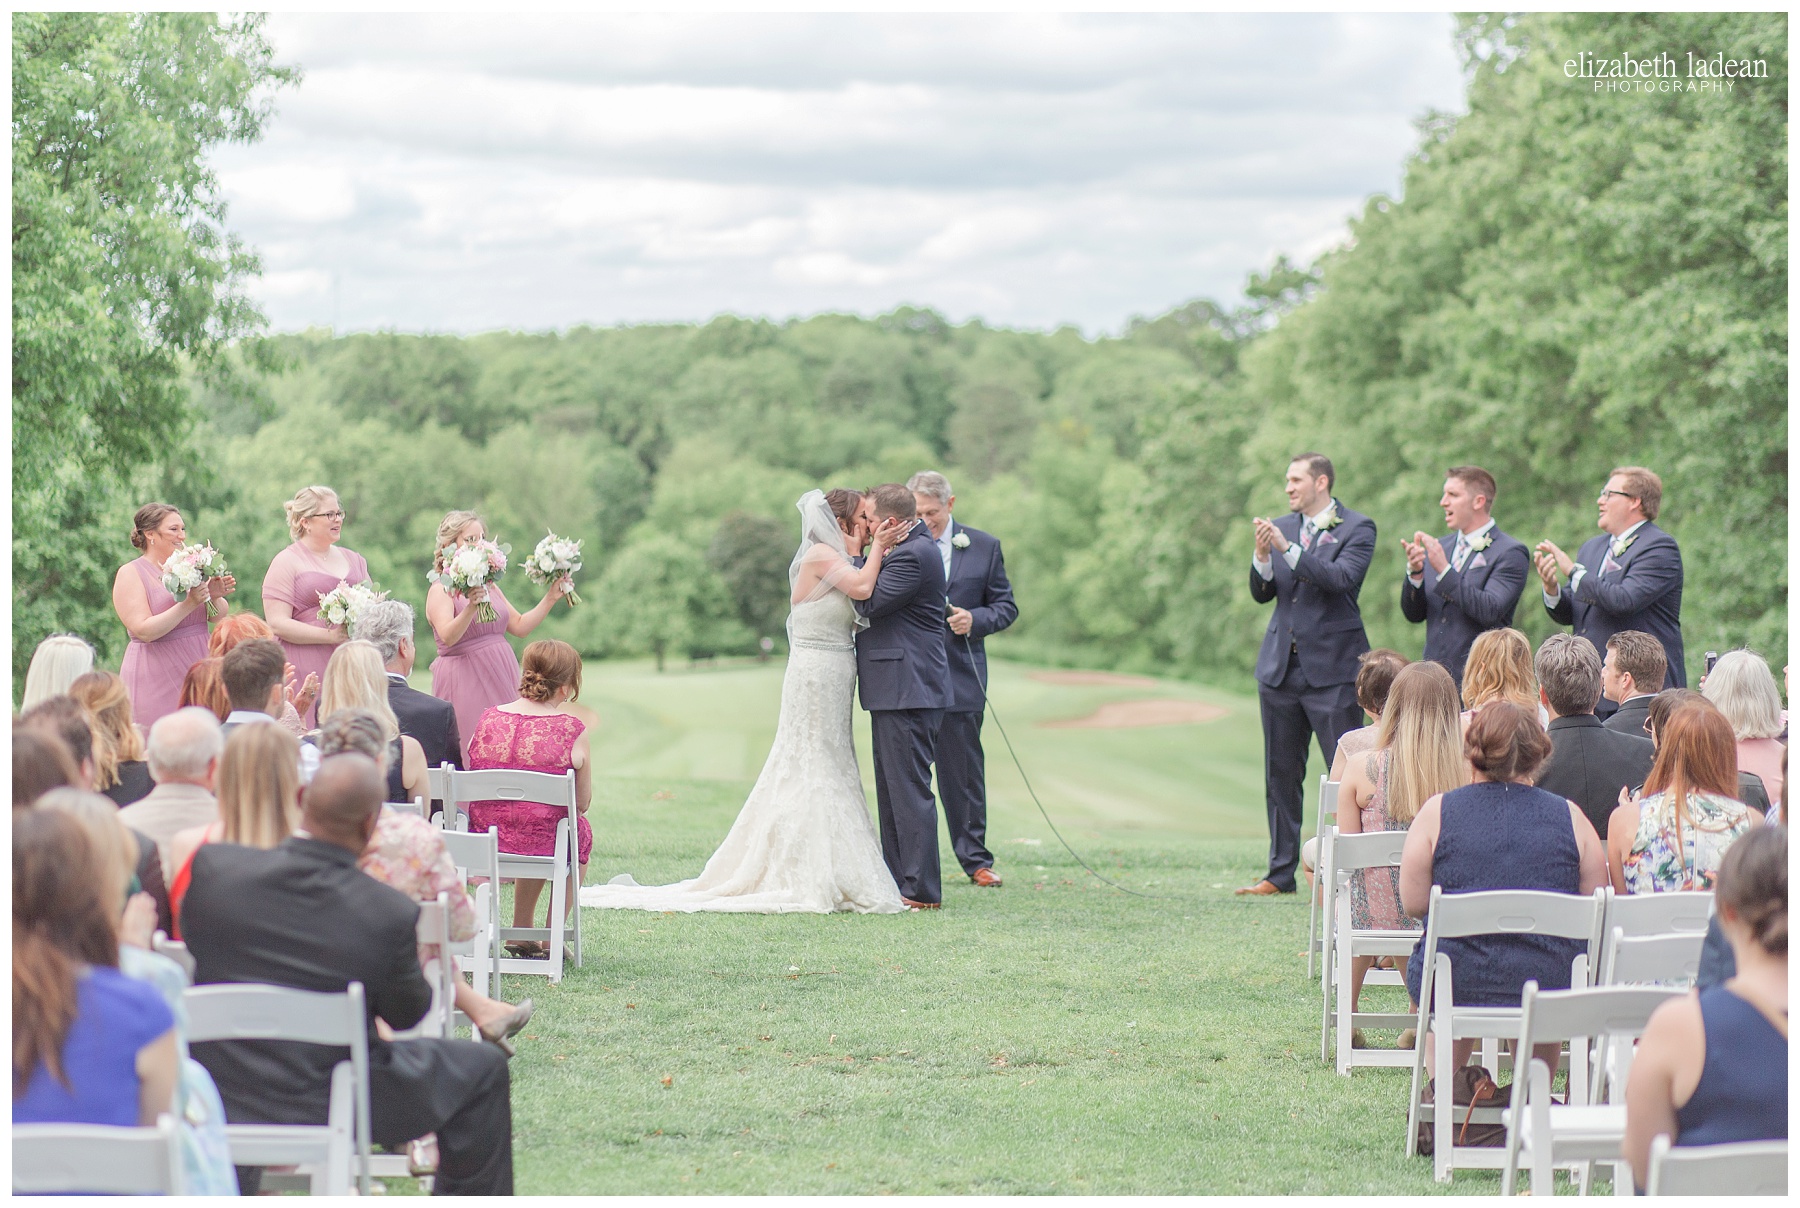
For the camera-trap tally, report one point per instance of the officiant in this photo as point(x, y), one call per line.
point(980, 603)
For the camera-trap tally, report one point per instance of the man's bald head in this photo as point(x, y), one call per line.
point(341, 804)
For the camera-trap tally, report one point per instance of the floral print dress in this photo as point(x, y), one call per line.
point(1666, 858)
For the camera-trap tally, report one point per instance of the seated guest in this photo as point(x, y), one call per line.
point(1499, 668)
point(1744, 690)
point(90, 1045)
point(255, 675)
point(204, 687)
point(535, 733)
point(259, 803)
point(41, 762)
point(1631, 677)
point(1750, 788)
point(388, 625)
point(354, 680)
point(184, 756)
point(1590, 763)
point(119, 768)
point(58, 661)
point(1712, 1067)
point(1499, 832)
point(69, 720)
point(1374, 675)
point(1673, 837)
point(408, 853)
point(303, 915)
point(239, 627)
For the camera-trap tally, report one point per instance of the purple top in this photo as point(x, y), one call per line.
point(114, 1018)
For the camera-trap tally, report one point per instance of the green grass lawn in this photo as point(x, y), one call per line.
point(1055, 1035)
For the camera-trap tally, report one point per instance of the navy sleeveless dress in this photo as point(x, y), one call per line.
point(1742, 1094)
point(1503, 836)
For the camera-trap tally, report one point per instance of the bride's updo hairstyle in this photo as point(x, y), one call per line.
point(448, 528)
point(843, 503)
point(307, 503)
point(548, 667)
point(149, 518)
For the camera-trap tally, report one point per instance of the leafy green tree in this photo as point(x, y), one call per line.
point(751, 555)
point(659, 597)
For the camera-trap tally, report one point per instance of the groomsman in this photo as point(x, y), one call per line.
point(1467, 582)
point(1311, 562)
point(1628, 578)
point(980, 603)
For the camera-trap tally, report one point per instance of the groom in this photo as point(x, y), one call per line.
point(903, 678)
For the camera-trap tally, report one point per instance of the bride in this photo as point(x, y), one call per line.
point(803, 841)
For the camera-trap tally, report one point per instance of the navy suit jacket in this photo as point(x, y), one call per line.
point(977, 583)
point(1315, 602)
point(1644, 594)
point(1462, 605)
point(900, 661)
point(427, 718)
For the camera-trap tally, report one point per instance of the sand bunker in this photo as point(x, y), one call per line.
point(1089, 679)
point(1127, 714)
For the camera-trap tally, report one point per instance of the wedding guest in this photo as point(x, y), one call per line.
point(1589, 763)
point(1499, 668)
point(354, 679)
point(69, 720)
point(1467, 582)
point(1629, 577)
point(204, 687)
point(536, 733)
point(241, 627)
point(56, 663)
point(255, 673)
point(475, 666)
point(119, 767)
point(41, 762)
point(142, 864)
point(1374, 676)
point(1712, 1067)
point(1631, 677)
point(1750, 788)
point(258, 803)
point(184, 757)
point(90, 1045)
point(300, 575)
point(1311, 562)
point(389, 626)
point(167, 635)
point(1673, 836)
point(1744, 689)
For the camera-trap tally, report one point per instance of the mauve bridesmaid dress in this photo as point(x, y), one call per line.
point(297, 578)
point(153, 671)
point(480, 671)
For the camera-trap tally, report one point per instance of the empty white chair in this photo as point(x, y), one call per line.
point(478, 855)
point(98, 1159)
point(433, 933)
point(1317, 919)
point(1350, 854)
point(435, 779)
point(1744, 1168)
point(1590, 1127)
point(1646, 959)
point(229, 1011)
point(175, 950)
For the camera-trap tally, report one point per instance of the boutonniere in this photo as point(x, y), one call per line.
point(1329, 520)
point(1482, 542)
point(960, 541)
point(1620, 545)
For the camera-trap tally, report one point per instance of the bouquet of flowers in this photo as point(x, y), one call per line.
point(555, 558)
point(190, 566)
point(467, 567)
point(341, 604)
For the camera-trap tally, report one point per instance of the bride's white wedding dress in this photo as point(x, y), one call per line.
point(804, 840)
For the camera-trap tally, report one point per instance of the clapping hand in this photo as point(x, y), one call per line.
point(1415, 557)
point(1433, 549)
point(220, 586)
point(1268, 537)
point(302, 697)
point(1558, 559)
point(139, 922)
point(1546, 569)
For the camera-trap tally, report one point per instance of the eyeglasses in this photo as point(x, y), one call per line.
point(327, 515)
point(1604, 492)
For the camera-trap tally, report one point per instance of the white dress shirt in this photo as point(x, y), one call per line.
point(1463, 541)
point(945, 548)
point(1266, 567)
point(309, 754)
point(1580, 570)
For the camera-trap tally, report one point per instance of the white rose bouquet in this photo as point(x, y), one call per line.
point(467, 567)
point(556, 558)
point(190, 566)
point(341, 604)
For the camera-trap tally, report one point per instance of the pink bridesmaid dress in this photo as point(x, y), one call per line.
point(480, 671)
point(153, 671)
point(297, 578)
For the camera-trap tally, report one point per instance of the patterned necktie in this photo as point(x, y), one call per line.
point(1462, 553)
point(1306, 535)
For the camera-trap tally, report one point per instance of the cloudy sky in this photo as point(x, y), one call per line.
point(472, 172)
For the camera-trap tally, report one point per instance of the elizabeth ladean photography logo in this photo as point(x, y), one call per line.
point(1662, 72)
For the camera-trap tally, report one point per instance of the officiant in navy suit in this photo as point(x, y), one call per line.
point(981, 603)
point(903, 680)
point(1629, 577)
point(1311, 562)
point(1466, 582)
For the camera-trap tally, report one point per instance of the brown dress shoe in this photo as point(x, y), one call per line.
point(912, 905)
point(1261, 889)
point(987, 877)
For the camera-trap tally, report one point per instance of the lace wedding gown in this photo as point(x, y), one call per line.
point(803, 841)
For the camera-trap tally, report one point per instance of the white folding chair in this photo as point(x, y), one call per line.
point(1741, 1168)
point(1652, 959)
point(175, 950)
point(415, 807)
point(1455, 916)
point(435, 779)
point(96, 1159)
point(1327, 882)
point(1349, 856)
point(1590, 1127)
point(433, 933)
point(232, 1011)
point(1688, 912)
point(479, 856)
point(1319, 918)
point(504, 784)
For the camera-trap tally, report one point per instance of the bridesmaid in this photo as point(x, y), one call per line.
point(167, 635)
point(309, 568)
point(475, 667)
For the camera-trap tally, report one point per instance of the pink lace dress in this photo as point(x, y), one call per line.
point(297, 578)
point(480, 671)
point(530, 744)
point(1375, 892)
point(153, 671)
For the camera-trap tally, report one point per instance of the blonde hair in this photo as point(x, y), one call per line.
point(116, 740)
point(259, 785)
point(1744, 689)
point(58, 661)
point(448, 528)
point(356, 679)
point(1499, 668)
point(1422, 734)
point(307, 503)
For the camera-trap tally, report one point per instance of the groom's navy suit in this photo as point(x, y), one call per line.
point(903, 679)
point(1306, 670)
point(1459, 606)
